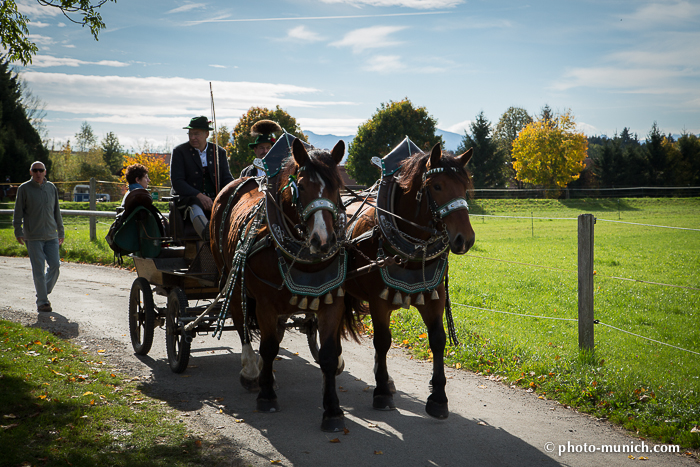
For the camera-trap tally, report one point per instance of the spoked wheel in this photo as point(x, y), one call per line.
point(141, 316)
point(311, 329)
point(177, 342)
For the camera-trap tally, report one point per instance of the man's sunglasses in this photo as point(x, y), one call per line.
point(37, 170)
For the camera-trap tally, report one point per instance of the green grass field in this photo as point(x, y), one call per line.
point(647, 387)
point(526, 265)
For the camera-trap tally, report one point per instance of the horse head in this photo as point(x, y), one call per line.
point(447, 182)
point(312, 194)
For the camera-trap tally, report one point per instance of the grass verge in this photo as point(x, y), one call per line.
point(62, 406)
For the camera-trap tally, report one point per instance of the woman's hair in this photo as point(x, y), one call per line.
point(135, 171)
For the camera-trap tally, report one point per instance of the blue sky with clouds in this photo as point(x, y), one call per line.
point(331, 63)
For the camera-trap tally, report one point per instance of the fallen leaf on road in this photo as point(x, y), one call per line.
point(483, 424)
point(335, 440)
point(378, 452)
point(483, 386)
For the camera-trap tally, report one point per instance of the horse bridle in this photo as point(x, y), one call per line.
point(440, 212)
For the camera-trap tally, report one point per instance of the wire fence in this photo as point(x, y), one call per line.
point(576, 271)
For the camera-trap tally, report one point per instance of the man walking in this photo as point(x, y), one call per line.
point(37, 208)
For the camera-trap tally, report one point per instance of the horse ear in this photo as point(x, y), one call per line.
point(466, 157)
point(435, 155)
point(299, 152)
point(338, 151)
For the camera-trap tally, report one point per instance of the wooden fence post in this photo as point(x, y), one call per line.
point(585, 281)
point(93, 207)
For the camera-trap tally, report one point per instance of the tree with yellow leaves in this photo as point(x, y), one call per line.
point(549, 152)
point(158, 170)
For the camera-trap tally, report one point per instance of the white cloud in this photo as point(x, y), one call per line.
point(417, 4)
point(40, 40)
point(632, 80)
point(369, 38)
point(662, 14)
point(137, 100)
point(39, 24)
point(187, 7)
point(218, 66)
point(385, 64)
point(302, 33)
point(460, 127)
point(32, 9)
point(44, 61)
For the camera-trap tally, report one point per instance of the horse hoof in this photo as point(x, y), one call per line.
point(439, 411)
point(383, 402)
point(268, 405)
point(392, 386)
point(250, 384)
point(333, 424)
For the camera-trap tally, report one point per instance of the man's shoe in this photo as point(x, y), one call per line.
point(46, 307)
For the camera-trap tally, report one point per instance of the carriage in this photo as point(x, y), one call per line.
point(181, 269)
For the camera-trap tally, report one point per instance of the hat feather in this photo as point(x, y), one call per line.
point(264, 127)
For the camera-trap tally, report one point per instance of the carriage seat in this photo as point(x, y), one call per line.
point(140, 234)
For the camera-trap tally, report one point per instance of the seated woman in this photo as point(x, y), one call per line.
point(138, 195)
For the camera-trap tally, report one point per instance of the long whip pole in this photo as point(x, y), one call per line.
point(216, 140)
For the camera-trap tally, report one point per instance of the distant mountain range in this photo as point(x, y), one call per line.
point(452, 140)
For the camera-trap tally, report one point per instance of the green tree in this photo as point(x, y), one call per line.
point(383, 131)
point(488, 162)
point(113, 153)
point(14, 31)
point(224, 136)
point(20, 143)
point(687, 167)
point(85, 139)
point(511, 122)
point(240, 155)
point(550, 154)
point(656, 156)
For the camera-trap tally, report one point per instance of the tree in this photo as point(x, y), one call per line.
point(20, 143)
point(511, 122)
point(240, 155)
point(113, 153)
point(656, 156)
point(383, 131)
point(550, 154)
point(688, 159)
point(488, 162)
point(224, 136)
point(85, 138)
point(158, 170)
point(14, 33)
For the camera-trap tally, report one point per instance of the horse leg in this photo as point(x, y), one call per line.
point(269, 348)
point(383, 393)
point(432, 317)
point(328, 356)
point(251, 363)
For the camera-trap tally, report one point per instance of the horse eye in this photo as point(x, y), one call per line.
point(437, 187)
point(301, 187)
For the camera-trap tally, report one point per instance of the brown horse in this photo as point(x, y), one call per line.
point(313, 215)
point(430, 192)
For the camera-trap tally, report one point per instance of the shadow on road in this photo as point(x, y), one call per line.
point(209, 390)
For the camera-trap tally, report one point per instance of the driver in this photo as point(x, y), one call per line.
point(193, 169)
point(263, 130)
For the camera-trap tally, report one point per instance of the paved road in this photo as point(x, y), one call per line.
point(490, 424)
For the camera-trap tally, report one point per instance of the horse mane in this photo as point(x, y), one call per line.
point(320, 163)
point(411, 171)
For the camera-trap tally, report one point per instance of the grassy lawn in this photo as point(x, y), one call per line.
point(62, 406)
point(649, 388)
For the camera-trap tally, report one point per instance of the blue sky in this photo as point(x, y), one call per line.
point(331, 63)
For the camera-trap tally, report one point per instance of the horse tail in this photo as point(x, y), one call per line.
point(352, 320)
